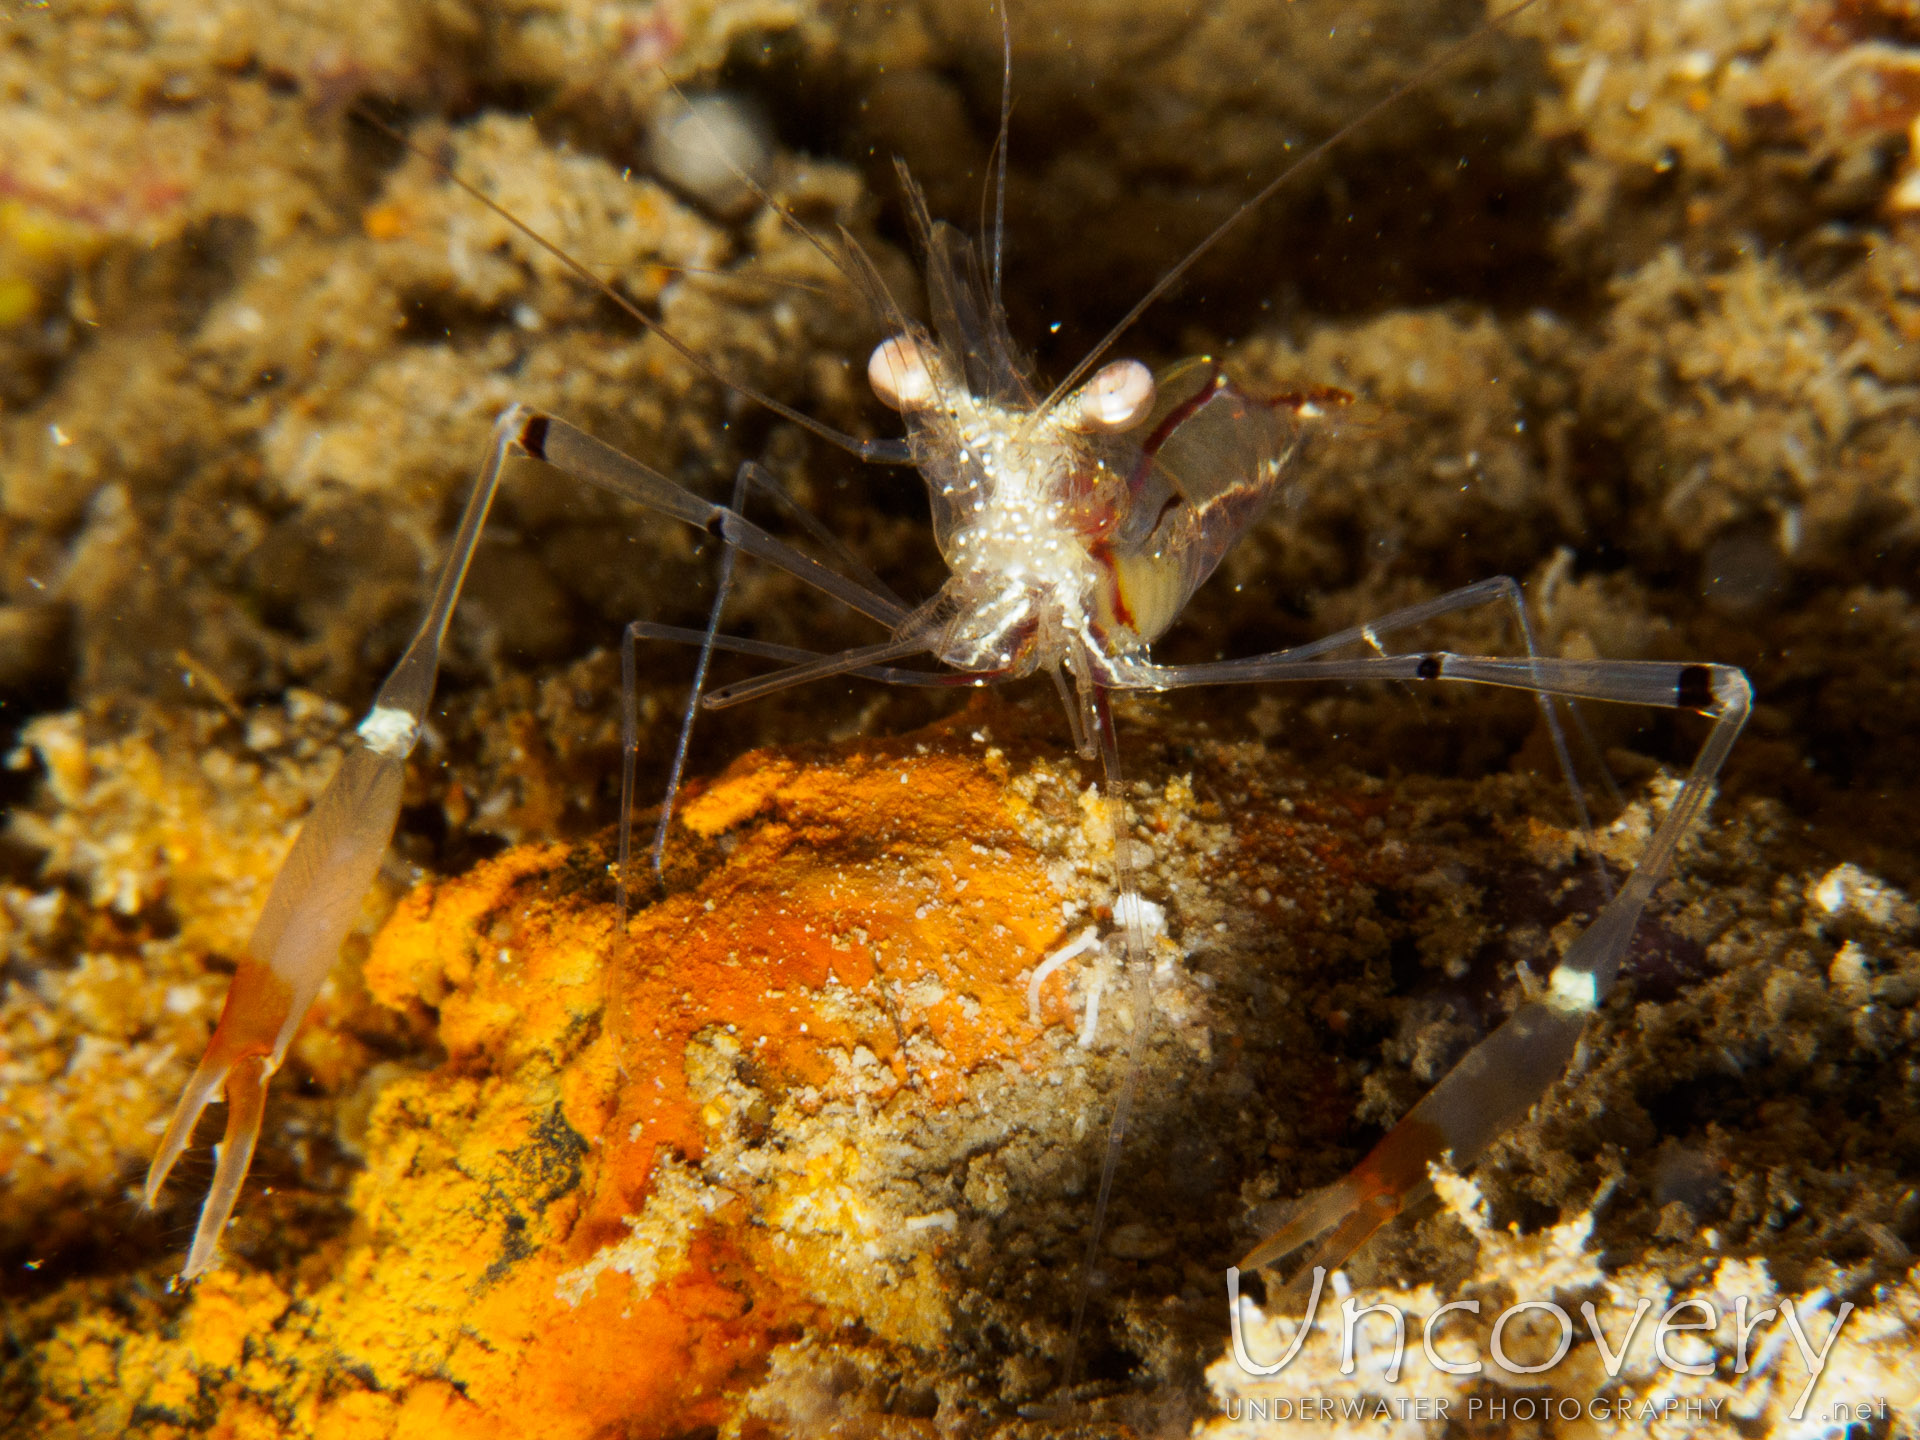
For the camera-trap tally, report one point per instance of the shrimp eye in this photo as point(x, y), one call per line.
point(1118, 397)
point(900, 375)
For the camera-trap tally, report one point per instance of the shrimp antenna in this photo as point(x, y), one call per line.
point(743, 277)
point(1000, 144)
point(680, 347)
point(1167, 281)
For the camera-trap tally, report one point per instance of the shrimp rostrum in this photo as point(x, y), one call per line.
point(1075, 525)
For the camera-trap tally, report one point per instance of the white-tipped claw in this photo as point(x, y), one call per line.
point(199, 1094)
point(1331, 1214)
point(900, 374)
point(1118, 397)
point(246, 1105)
point(311, 905)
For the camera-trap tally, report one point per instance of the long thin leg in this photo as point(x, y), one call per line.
point(723, 587)
point(862, 657)
point(761, 482)
point(803, 665)
point(750, 479)
point(629, 758)
point(1082, 742)
point(569, 448)
point(1506, 590)
point(1498, 1081)
point(795, 656)
point(1127, 910)
point(318, 892)
point(1500, 590)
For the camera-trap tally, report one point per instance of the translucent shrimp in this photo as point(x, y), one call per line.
point(1076, 533)
point(1076, 524)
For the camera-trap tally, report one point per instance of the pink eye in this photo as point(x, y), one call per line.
point(1118, 397)
point(900, 375)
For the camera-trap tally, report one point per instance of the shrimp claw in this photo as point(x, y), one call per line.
point(313, 903)
point(1478, 1100)
point(1497, 1082)
point(317, 895)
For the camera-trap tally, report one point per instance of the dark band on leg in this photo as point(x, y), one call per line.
point(1695, 689)
point(1429, 667)
point(533, 437)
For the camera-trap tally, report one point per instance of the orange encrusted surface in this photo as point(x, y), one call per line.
point(562, 1298)
point(538, 1249)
